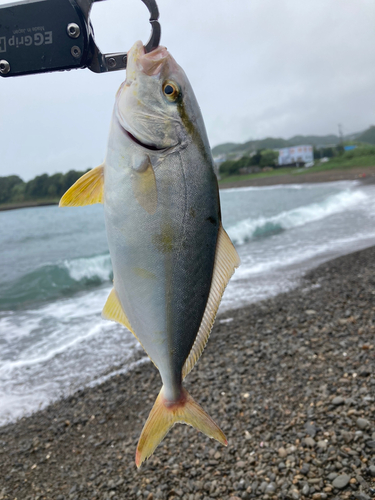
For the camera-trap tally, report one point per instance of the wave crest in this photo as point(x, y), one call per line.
point(52, 281)
point(248, 229)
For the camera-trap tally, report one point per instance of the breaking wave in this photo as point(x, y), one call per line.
point(52, 281)
point(248, 229)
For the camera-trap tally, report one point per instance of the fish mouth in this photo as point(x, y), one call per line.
point(151, 63)
point(135, 140)
point(150, 147)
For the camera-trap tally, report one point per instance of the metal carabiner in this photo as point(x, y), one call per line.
point(111, 62)
point(41, 36)
point(154, 40)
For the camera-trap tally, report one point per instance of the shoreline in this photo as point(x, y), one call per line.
point(366, 175)
point(290, 380)
point(27, 204)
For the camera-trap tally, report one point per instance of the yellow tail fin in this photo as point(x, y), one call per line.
point(162, 418)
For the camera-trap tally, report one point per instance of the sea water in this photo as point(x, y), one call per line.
point(55, 276)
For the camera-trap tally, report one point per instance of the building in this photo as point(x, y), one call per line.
point(296, 155)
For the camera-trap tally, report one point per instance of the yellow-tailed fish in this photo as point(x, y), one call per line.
point(171, 257)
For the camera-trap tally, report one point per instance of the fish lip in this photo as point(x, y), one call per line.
point(151, 63)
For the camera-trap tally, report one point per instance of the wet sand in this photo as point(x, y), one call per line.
point(290, 380)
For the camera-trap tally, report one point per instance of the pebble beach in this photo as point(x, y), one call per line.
point(290, 381)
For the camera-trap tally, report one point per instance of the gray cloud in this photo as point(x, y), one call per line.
point(259, 68)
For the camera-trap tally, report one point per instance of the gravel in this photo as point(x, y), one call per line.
point(270, 378)
point(341, 481)
point(338, 400)
point(363, 423)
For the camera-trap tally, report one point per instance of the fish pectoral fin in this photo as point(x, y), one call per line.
point(163, 417)
point(88, 190)
point(144, 186)
point(226, 261)
point(114, 312)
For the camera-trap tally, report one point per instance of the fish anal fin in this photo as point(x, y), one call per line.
point(114, 312)
point(226, 261)
point(88, 190)
point(144, 186)
point(163, 417)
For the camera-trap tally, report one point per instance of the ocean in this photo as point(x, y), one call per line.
point(55, 276)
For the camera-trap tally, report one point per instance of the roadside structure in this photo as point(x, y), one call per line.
point(296, 155)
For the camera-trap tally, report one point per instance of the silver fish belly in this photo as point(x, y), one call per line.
point(163, 261)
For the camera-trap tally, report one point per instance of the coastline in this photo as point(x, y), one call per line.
point(290, 380)
point(27, 204)
point(365, 175)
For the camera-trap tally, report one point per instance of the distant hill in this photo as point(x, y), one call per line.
point(368, 136)
point(224, 148)
point(275, 143)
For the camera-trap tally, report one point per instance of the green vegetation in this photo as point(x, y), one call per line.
point(362, 156)
point(260, 175)
point(261, 159)
point(368, 137)
point(274, 143)
point(345, 162)
point(49, 188)
point(43, 188)
point(224, 148)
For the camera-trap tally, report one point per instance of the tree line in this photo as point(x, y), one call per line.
point(262, 158)
point(42, 188)
point(269, 157)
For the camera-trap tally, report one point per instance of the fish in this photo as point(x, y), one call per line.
point(171, 256)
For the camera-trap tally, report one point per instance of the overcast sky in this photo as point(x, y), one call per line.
point(258, 67)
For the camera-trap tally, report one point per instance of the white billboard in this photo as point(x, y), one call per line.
point(296, 154)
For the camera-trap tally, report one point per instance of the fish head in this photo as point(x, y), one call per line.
point(156, 105)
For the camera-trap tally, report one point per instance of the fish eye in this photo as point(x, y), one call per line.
point(171, 91)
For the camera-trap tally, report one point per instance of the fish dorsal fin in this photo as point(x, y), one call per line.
point(88, 190)
point(113, 311)
point(226, 261)
point(144, 186)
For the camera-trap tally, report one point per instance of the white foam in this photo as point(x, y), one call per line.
point(299, 255)
point(46, 349)
point(245, 229)
point(60, 347)
point(53, 328)
point(92, 267)
point(61, 350)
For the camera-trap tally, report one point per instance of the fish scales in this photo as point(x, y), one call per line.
point(178, 243)
point(171, 257)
